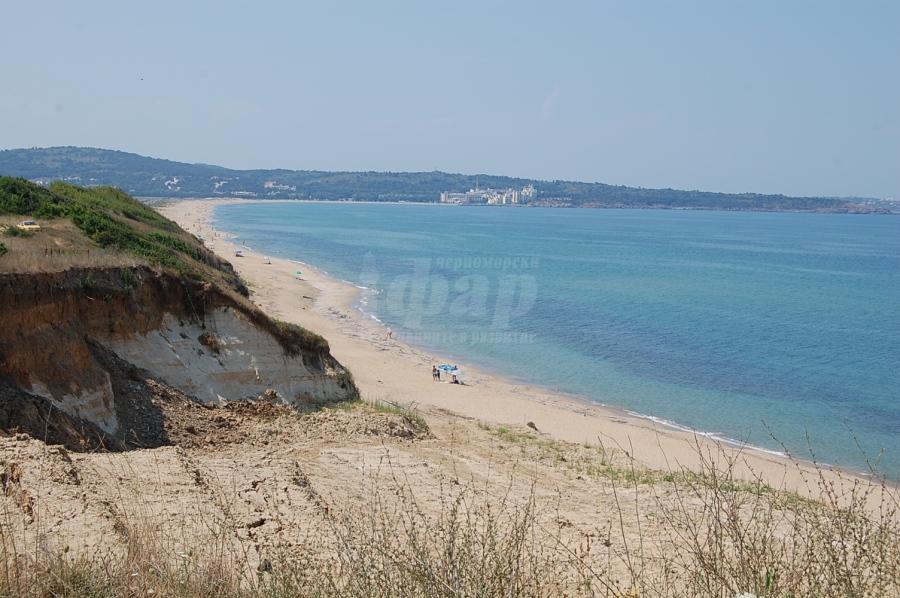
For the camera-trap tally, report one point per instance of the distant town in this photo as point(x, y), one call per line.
point(154, 179)
point(493, 197)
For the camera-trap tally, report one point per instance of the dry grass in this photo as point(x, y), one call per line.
point(56, 248)
point(705, 532)
point(35, 260)
point(726, 535)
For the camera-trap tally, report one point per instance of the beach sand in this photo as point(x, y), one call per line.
point(387, 369)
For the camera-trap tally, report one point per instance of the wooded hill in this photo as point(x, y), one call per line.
point(146, 177)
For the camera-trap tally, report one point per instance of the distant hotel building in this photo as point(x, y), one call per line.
point(491, 196)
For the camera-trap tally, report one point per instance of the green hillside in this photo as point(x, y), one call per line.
point(110, 219)
point(154, 178)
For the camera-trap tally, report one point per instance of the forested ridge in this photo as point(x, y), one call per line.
point(157, 178)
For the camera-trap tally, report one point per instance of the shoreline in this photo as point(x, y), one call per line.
point(391, 370)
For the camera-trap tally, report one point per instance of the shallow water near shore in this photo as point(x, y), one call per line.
point(732, 324)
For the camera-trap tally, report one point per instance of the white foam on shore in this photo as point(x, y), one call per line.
point(361, 303)
point(711, 435)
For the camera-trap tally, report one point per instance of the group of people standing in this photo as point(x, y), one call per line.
point(436, 375)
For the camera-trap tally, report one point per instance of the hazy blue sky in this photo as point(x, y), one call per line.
point(793, 97)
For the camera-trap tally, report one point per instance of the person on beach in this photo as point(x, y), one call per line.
point(390, 334)
point(435, 373)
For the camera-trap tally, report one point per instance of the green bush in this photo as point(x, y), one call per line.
point(18, 196)
point(296, 338)
point(15, 231)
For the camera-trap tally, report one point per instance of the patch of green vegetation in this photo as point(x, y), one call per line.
point(295, 339)
point(15, 231)
point(112, 219)
point(18, 196)
point(3, 249)
point(410, 415)
point(177, 244)
point(508, 435)
point(110, 199)
point(585, 459)
point(348, 405)
point(347, 383)
point(129, 280)
point(89, 282)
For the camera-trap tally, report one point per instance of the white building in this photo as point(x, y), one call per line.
point(501, 197)
point(529, 193)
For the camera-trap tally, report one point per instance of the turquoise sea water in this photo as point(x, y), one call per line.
point(733, 324)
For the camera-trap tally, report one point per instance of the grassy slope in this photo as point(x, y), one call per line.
point(111, 219)
point(112, 225)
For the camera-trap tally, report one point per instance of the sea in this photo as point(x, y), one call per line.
point(776, 330)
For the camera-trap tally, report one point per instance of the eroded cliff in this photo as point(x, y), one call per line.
point(83, 351)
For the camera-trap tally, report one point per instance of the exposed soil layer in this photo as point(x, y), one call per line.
point(60, 382)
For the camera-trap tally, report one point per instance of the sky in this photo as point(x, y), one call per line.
point(790, 96)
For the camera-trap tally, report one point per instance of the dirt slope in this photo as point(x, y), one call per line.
point(261, 480)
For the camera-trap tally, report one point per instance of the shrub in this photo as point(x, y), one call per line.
point(294, 339)
point(18, 196)
point(15, 231)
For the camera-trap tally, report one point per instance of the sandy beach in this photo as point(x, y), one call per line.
point(387, 369)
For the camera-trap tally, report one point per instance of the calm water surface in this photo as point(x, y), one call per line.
point(740, 325)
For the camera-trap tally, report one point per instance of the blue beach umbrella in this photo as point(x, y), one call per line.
point(452, 370)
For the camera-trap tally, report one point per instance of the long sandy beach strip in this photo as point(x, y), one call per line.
point(387, 369)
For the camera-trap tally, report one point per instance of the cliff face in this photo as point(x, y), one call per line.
point(75, 345)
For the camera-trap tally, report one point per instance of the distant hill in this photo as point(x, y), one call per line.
point(156, 178)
